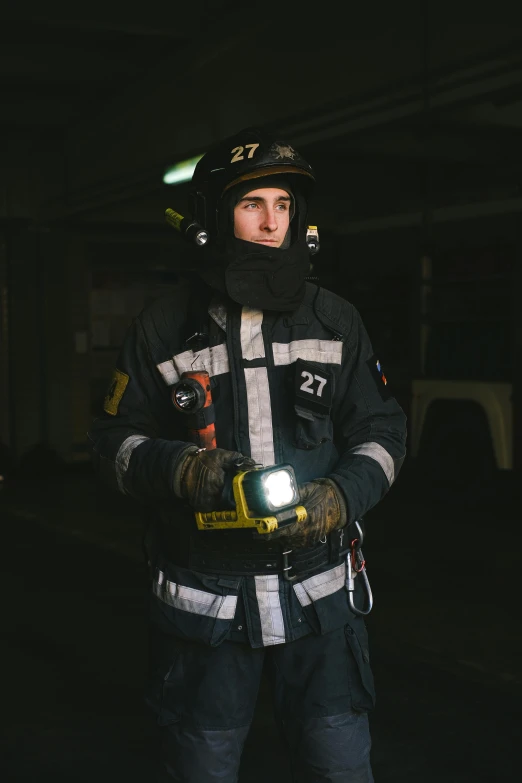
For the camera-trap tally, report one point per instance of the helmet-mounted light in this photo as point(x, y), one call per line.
point(312, 239)
point(189, 229)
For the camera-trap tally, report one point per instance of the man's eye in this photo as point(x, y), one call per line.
point(282, 207)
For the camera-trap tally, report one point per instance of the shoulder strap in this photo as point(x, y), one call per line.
point(333, 312)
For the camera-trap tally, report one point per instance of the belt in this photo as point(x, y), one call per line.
point(288, 563)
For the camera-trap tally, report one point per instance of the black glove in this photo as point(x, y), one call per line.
point(199, 476)
point(326, 511)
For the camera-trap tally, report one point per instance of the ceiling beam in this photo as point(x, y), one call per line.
point(196, 96)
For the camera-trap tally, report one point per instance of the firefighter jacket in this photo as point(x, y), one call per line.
point(303, 388)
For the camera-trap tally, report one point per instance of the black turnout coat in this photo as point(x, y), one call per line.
point(303, 388)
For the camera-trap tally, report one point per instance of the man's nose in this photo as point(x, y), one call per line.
point(269, 220)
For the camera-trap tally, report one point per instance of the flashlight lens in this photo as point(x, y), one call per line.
point(279, 489)
point(185, 396)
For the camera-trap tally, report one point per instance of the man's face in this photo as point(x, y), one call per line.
point(263, 216)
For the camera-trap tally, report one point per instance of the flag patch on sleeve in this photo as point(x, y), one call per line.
point(376, 369)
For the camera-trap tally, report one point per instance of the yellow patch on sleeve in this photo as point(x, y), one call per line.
point(115, 392)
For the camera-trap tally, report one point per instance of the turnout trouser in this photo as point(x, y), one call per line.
point(205, 696)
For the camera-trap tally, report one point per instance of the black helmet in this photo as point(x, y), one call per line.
point(249, 154)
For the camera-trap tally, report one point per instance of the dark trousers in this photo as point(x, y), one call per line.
point(204, 698)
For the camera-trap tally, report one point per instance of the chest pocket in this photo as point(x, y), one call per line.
point(313, 402)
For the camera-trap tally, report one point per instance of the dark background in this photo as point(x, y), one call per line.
point(411, 115)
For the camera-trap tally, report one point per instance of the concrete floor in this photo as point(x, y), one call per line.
point(445, 640)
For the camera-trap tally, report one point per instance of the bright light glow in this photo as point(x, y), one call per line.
point(181, 172)
point(279, 488)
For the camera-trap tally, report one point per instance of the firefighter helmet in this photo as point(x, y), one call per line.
point(247, 155)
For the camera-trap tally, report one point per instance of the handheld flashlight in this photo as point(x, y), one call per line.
point(265, 499)
point(191, 230)
point(192, 396)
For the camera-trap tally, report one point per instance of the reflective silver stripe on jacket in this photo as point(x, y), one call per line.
point(123, 456)
point(218, 313)
point(376, 452)
point(214, 360)
point(316, 587)
point(259, 415)
point(259, 406)
point(270, 611)
point(322, 351)
point(252, 345)
point(189, 599)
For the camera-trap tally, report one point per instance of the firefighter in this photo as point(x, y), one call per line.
point(294, 379)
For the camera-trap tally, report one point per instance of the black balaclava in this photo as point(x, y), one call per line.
point(252, 274)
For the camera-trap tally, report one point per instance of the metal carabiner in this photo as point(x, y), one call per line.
point(356, 564)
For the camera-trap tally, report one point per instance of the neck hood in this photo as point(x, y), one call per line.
point(257, 276)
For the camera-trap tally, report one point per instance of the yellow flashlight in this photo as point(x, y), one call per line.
point(265, 499)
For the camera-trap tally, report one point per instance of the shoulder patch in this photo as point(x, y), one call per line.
point(115, 392)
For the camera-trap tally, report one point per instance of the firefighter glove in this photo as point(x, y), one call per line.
point(199, 476)
point(326, 511)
